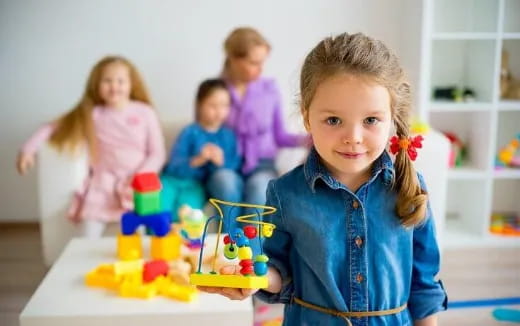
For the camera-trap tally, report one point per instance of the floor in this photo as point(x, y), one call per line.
point(467, 274)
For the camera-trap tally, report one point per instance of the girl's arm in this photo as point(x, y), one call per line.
point(182, 163)
point(427, 295)
point(155, 152)
point(25, 160)
point(428, 321)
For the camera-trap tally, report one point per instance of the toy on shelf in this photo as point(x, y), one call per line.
point(505, 224)
point(237, 245)
point(134, 277)
point(453, 93)
point(457, 151)
point(509, 85)
point(508, 155)
point(192, 223)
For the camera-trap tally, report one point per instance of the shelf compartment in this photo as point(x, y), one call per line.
point(465, 16)
point(508, 128)
point(505, 200)
point(511, 16)
point(467, 208)
point(465, 64)
point(474, 131)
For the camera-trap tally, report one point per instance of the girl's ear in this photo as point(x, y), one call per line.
point(305, 114)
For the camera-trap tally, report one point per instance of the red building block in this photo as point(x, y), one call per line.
point(146, 182)
point(154, 268)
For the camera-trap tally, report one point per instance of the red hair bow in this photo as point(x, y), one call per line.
point(408, 144)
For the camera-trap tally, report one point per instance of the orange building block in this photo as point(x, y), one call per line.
point(129, 247)
point(167, 247)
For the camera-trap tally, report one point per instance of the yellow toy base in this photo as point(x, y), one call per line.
point(229, 281)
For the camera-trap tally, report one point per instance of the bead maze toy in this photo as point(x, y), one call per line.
point(237, 245)
point(131, 276)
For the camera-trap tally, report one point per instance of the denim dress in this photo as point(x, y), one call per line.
point(348, 251)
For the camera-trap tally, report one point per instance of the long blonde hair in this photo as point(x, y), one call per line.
point(361, 55)
point(75, 127)
point(239, 42)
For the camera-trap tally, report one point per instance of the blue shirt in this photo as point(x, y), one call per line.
point(348, 251)
point(189, 143)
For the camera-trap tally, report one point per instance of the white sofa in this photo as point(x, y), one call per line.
point(59, 176)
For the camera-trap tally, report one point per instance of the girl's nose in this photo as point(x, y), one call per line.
point(352, 136)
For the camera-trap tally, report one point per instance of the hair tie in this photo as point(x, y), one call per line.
point(410, 145)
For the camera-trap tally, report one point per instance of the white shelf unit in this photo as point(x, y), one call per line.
point(462, 42)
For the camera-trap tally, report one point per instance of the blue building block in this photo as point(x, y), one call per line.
point(158, 223)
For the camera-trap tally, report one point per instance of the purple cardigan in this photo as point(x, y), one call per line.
point(258, 123)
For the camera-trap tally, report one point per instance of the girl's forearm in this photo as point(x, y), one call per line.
point(275, 280)
point(428, 321)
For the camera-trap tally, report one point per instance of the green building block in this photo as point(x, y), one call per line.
point(146, 203)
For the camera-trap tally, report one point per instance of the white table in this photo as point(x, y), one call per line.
point(62, 299)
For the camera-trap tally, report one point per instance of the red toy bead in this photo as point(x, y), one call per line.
point(250, 231)
point(227, 239)
point(246, 262)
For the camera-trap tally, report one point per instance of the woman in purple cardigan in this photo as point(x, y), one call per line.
point(256, 118)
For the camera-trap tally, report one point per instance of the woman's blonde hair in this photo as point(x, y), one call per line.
point(75, 127)
point(240, 41)
point(361, 55)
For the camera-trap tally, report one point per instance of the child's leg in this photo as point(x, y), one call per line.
point(92, 229)
point(169, 193)
point(227, 185)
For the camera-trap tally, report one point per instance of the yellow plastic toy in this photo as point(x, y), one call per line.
point(236, 245)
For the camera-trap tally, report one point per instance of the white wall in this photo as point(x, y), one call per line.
point(48, 47)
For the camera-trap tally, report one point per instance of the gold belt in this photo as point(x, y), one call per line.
point(349, 314)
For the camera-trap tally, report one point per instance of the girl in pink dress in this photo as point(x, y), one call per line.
point(115, 121)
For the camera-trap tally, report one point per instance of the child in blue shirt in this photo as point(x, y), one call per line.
point(354, 242)
point(201, 148)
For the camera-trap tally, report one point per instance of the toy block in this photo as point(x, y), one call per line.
point(137, 290)
point(153, 269)
point(102, 276)
point(129, 247)
point(158, 223)
point(146, 203)
point(128, 267)
point(167, 247)
point(145, 182)
point(229, 281)
point(170, 289)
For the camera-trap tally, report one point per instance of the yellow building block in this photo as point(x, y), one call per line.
point(167, 247)
point(229, 281)
point(137, 290)
point(103, 276)
point(168, 288)
point(129, 247)
point(128, 267)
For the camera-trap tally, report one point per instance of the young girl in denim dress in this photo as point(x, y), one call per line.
point(354, 242)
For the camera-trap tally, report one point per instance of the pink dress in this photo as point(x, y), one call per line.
point(128, 141)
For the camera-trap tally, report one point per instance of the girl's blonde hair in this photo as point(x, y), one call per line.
point(240, 41)
point(361, 55)
point(75, 127)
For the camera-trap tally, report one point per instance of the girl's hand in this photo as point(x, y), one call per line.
point(24, 163)
point(231, 293)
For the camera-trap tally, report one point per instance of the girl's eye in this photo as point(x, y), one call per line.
point(371, 121)
point(333, 121)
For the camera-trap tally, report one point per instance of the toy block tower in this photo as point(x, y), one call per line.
point(147, 211)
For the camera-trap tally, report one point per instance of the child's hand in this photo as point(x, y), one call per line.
point(217, 155)
point(231, 293)
point(24, 163)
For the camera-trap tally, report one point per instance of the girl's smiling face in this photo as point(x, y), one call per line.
point(349, 119)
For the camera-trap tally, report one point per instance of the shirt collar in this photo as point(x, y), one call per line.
point(314, 170)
